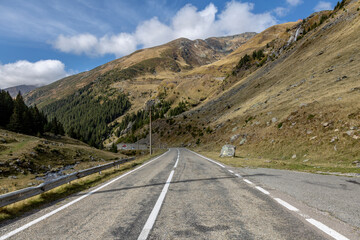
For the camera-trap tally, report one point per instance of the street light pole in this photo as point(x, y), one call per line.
point(150, 132)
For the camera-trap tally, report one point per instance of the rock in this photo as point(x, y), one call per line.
point(306, 160)
point(274, 120)
point(350, 132)
point(234, 129)
point(326, 124)
point(2, 140)
point(334, 139)
point(356, 137)
point(303, 105)
point(293, 156)
point(312, 138)
point(233, 138)
point(353, 128)
point(228, 151)
point(12, 177)
point(308, 132)
point(243, 141)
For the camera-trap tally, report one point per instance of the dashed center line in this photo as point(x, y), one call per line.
point(262, 190)
point(326, 229)
point(230, 171)
point(238, 175)
point(247, 181)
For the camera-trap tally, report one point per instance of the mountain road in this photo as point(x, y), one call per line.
point(178, 195)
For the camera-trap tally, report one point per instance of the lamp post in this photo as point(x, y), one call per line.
point(148, 107)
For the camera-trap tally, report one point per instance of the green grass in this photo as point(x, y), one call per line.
point(19, 208)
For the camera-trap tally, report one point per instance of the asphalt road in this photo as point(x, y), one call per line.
point(179, 195)
point(338, 196)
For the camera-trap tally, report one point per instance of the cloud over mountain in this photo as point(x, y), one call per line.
point(31, 73)
point(188, 22)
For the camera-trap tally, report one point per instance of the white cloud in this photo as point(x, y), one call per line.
point(188, 22)
point(323, 6)
point(31, 73)
point(281, 11)
point(238, 18)
point(294, 2)
point(153, 32)
point(119, 45)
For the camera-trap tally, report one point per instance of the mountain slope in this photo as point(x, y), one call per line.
point(24, 89)
point(299, 108)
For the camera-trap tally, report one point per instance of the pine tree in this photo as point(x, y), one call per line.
point(17, 120)
point(6, 108)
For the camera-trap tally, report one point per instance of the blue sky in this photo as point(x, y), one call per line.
point(44, 40)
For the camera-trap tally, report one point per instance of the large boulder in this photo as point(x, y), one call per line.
point(228, 151)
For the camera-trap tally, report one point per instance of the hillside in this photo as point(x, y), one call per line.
point(301, 108)
point(288, 95)
point(27, 160)
point(24, 89)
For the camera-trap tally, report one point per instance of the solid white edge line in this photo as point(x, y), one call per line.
point(207, 159)
point(262, 190)
point(287, 205)
point(12, 233)
point(245, 180)
point(326, 229)
point(154, 213)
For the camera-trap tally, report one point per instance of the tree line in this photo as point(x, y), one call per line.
point(86, 114)
point(16, 116)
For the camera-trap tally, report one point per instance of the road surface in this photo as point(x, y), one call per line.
point(179, 195)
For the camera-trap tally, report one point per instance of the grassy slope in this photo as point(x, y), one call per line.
point(33, 203)
point(311, 93)
point(24, 157)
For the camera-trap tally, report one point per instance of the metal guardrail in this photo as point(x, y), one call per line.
point(25, 193)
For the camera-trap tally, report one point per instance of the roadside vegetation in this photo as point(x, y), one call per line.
point(56, 194)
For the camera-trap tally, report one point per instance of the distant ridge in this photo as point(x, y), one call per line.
point(24, 89)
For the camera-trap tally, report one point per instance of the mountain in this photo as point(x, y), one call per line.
point(290, 92)
point(24, 89)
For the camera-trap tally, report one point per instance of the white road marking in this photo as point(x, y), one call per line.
point(245, 180)
point(287, 205)
point(177, 160)
point(207, 159)
point(317, 224)
point(262, 190)
point(22, 228)
point(326, 229)
point(153, 215)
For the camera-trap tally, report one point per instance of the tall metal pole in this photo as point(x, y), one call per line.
point(150, 132)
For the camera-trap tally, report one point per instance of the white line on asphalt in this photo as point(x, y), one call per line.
point(153, 215)
point(287, 205)
point(317, 224)
point(22, 228)
point(207, 159)
point(326, 229)
point(230, 171)
point(177, 160)
point(245, 180)
point(262, 190)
